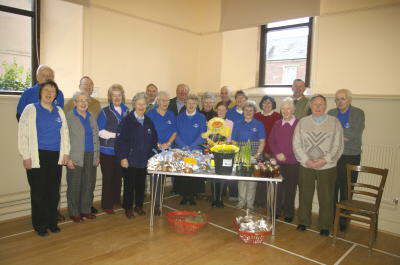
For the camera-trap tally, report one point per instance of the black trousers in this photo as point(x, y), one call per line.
point(287, 190)
point(341, 180)
point(111, 181)
point(187, 187)
point(134, 184)
point(45, 190)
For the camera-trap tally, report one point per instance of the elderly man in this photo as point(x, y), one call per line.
point(352, 120)
point(225, 97)
point(31, 95)
point(86, 85)
point(151, 96)
point(177, 104)
point(300, 101)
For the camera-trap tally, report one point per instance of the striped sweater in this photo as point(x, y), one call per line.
point(314, 140)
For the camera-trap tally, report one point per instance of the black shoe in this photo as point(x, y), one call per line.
point(54, 229)
point(184, 201)
point(288, 219)
point(220, 204)
point(93, 210)
point(192, 202)
point(301, 227)
point(324, 232)
point(42, 232)
point(157, 211)
point(214, 204)
point(342, 227)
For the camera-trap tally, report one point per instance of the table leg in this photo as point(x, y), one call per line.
point(274, 188)
point(271, 203)
point(162, 190)
point(153, 191)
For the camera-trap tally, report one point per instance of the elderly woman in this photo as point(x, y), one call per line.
point(190, 125)
point(317, 145)
point(235, 113)
point(135, 144)
point(352, 120)
point(108, 122)
point(208, 100)
point(164, 121)
point(249, 129)
point(43, 142)
point(84, 158)
point(281, 144)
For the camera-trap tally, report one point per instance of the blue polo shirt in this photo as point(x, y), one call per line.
point(31, 95)
point(233, 115)
point(165, 125)
point(245, 131)
point(344, 118)
point(189, 129)
point(48, 125)
point(89, 147)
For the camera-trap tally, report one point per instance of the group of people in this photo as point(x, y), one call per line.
point(309, 145)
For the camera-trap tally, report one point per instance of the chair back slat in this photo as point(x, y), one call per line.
point(377, 172)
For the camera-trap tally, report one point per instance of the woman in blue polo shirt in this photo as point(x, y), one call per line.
point(108, 121)
point(190, 125)
point(84, 158)
point(43, 142)
point(249, 129)
point(235, 113)
point(164, 121)
point(135, 144)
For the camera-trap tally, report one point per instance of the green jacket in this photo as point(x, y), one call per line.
point(302, 108)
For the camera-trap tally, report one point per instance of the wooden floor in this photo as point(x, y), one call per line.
point(113, 239)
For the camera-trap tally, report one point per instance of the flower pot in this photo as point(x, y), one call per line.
point(224, 163)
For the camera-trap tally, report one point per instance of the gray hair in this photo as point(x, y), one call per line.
point(347, 92)
point(138, 96)
point(228, 88)
point(208, 95)
point(193, 97)
point(163, 93)
point(288, 102)
point(79, 93)
point(250, 104)
point(317, 96)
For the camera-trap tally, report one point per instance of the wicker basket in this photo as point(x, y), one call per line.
point(251, 238)
point(177, 221)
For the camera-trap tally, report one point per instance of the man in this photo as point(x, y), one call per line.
point(225, 97)
point(31, 95)
point(352, 120)
point(177, 104)
point(86, 84)
point(151, 96)
point(300, 101)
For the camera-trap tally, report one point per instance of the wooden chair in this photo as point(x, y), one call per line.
point(364, 212)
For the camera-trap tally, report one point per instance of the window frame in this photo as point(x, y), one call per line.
point(35, 37)
point(263, 52)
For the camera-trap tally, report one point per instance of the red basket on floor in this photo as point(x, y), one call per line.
point(249, 237)
point(177, 221)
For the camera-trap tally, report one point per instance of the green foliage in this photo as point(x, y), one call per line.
point(14, 78)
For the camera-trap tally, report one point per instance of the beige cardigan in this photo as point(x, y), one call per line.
point(27, 137)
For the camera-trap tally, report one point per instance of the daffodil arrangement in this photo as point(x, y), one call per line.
point(217, 132)
point(224, 148)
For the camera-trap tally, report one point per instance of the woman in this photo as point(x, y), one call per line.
point(165, 123)
point(352, 120)
point(108, 122)
point(249, 129)
point(208, 103)
point(84, 158)
point(43, 142)
point(267, 116)
point(235, 113)
point(190, 125)
point(281, 142)
point(135, 144)
point(317, 145)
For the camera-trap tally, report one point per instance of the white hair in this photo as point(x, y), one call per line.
point(250, 104)
point(79, 93)
point(138, 96)
point(288, 102)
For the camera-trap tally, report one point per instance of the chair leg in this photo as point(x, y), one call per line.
point(376, 228)
point(336, 224)
point(371, 235)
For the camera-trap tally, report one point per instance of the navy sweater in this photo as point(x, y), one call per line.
point(135, 141)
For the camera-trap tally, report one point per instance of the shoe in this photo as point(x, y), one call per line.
point(76, 219)
point(301, 227)
point(233, 199)
point(139, 211)
point(109, 211)
point(42, 232)
point(88, 215)
point(277, 216)
point(184, 201)
point(60, 217)
point(157, 211)
point(220, 204)
point(342, 227)
point(54, 229)
point(214, 204)
point(129, 214)
point(288, 219)
point(192, 201)
point(93, 210)
point(324, 232)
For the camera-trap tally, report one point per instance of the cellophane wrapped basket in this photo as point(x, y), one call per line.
point(252, 238)
point(177, 220)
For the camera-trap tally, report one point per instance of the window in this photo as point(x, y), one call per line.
point(285, 52)
point(19, 44)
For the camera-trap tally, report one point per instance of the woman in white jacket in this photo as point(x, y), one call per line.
point(43, 142)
